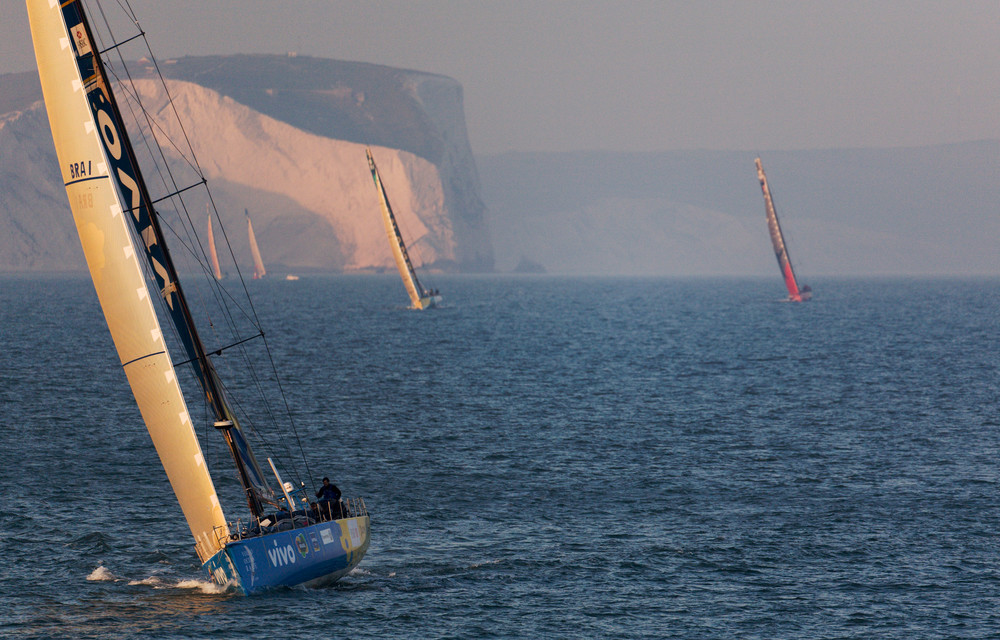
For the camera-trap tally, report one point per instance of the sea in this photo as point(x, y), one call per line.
point(542, 457)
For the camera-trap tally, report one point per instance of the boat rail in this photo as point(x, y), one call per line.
point(321, 512)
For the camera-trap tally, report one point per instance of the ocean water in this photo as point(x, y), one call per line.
point(543, 457)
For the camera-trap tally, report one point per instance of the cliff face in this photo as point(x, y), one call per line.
point(284, 138)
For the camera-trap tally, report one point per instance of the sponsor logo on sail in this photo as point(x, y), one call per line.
point(80, 40)
point(124, 174)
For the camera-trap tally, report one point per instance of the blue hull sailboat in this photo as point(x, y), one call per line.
point(287, 538)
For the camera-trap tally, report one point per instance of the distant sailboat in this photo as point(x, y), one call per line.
point(258, 264)
point(420, 298)
point(212, 255)
point(795, 293)
point(285, 542)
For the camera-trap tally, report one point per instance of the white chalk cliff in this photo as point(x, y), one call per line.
point(299, 168)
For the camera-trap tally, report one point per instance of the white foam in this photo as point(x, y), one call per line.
point(151, 581)
point(476, 565)
point(202, 585)
point(100, 574)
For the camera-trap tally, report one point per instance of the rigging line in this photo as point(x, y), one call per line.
point(135, 103)
point(133, 93)
point(219, 351)
point(288, 410)
point(267, 405)
point(165, 173)
point(127, 8)
point(161, 198)
point(193, 156)
point(132, 101)
point(169, 182)
point(251, 369)
point(247, 423)
point(180, 191)
point(141, 34)
point(217, 293)
point(267, 350)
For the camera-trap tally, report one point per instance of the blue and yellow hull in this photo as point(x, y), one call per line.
point(311, 556)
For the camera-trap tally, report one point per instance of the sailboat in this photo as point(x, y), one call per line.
point(795, 292)
point(286, 541)
point(212, 255)
point(420, 298)
point(258, 264)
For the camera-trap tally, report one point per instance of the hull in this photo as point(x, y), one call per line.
point(427, 302)
point(310, 556)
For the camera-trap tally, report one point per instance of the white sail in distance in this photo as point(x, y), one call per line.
point(212, 255)
point(258, 264)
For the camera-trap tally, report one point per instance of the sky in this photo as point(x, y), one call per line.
point(634, 75)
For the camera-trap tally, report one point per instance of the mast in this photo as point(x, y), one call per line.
point(406, 270)
point(114, 216)
point(777, 238)
point(258, 264)
point(213, 256)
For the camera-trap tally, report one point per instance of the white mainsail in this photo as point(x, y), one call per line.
point(212, 255)
point(83, 141)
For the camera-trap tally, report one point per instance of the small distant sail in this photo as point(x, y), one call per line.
point(258, 264)
point(795, 293)
point(212, 255)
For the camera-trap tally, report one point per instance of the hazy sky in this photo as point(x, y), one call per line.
point(551, 75)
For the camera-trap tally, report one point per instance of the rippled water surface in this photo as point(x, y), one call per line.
point(543, 457)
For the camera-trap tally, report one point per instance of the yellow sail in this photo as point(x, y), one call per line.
point(403, 263)
point(86, 141)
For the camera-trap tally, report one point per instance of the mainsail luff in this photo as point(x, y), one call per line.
point(399, 253)
point(777, 238)
point(258, 264)
point(93, 158)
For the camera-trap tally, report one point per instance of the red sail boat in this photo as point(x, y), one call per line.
point(795, 292)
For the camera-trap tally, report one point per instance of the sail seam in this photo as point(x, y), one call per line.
point(86, 180)
point(148, 355)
